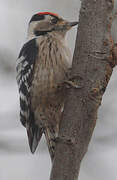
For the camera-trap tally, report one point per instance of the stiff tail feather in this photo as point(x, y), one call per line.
point(34, 135)
point(50, 138)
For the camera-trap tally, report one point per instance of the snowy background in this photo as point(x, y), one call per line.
point(16, 161)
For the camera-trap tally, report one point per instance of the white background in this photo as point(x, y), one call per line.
point(16, 161)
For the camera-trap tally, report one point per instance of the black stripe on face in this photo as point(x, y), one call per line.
point(37, 17)
point(41, 33)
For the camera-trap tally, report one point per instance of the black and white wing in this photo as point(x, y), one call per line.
point(24, 67)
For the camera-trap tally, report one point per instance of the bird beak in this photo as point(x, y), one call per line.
point(65, 25)
point(70, 24)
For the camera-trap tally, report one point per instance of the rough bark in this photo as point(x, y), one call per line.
point(93, 62)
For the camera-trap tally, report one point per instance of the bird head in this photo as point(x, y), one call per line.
point(46, 22)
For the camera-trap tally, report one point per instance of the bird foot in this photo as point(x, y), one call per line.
point(65, 140)
point(73, 84)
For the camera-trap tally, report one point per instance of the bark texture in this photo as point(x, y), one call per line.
point(93, 62)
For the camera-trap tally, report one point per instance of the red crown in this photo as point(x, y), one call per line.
point(47, 13)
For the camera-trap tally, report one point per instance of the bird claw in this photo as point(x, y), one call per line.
point(72, 84)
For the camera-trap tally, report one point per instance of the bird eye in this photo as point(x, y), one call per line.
point(54, 20)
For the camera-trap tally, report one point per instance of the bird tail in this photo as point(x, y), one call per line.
point(34, 135)
point(50, 138)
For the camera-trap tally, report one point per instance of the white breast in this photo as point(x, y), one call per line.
point(51, 66)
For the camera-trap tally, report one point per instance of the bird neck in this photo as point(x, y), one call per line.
point(59, 36)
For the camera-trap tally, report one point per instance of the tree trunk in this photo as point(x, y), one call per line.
point(93, 64)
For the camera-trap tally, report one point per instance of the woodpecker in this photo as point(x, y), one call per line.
point(41, 67)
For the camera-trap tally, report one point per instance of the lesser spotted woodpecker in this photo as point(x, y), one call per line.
point(41, 67)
